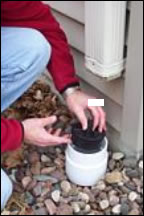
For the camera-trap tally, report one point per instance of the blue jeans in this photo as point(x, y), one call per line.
point(25, 54)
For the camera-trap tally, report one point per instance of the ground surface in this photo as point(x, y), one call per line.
point(40, 184)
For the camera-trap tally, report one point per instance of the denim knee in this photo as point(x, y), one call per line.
point(39, 48)
point(6, 189)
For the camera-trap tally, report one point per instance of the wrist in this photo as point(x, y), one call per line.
point(70, 91)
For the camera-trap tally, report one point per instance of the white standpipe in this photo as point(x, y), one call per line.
point(86, 169)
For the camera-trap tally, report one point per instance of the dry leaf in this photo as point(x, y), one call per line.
point(13, 159)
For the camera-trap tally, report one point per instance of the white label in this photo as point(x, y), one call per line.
point(96, 102)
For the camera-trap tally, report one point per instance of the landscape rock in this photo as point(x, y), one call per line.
point(114, 177)
point(51, 207)
point(116, 209)
point(34, 158)
point(56, 196)
point(84, 197)
point(26, 181)
point(133, 196)
point(64, 209)
point(66, 187)
point(104, 204)
point(48, 170)
point(130, 162)
point(118, 156)
point(45, 159)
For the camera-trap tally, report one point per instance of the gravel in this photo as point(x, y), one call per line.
point(41, 182)
point(56, 196)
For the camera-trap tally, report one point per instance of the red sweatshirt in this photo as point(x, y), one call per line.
point(36, 15)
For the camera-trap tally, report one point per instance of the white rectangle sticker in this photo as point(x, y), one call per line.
point(96, 102)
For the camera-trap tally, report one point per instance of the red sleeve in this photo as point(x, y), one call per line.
point(11, 135)
point(35, 14)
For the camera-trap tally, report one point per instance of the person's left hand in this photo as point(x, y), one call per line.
point(77, 102)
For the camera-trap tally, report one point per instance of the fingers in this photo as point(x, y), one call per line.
point(50, 130)
point(59, 140)
point(96, 117)
point(47, 121)
point(99, 118)
point(58, 132)
point(52, 138)
point(82, 118)
point(102, 123)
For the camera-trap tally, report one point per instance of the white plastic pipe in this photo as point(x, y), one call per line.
point(86, 169)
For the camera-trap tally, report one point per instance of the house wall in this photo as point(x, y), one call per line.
point(71, 16)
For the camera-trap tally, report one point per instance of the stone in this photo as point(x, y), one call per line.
point(51, 207)
point(137, 182)
point(125, 190)
point(29, 199)
point(82, 204)
point(58, 151)
point(45, 159)
point(74, 191)
point(112, 193)
point(58, 175)
point(66, 187)
point(37, 190)
point(111, 164)
point(104, 204)
point(125, 208)
point(103, 195)
point(133, 196)
point(36, 168)
point(83, 197)
point(64, 209)
point(132, 173)
point(117, 156)
point(32, 185)
point(39, 204)
point(76, 208)
point(125, 177)
point(92, 213)
point(19, 175)
point(87, 209)
point(56, 196)
point(40, 201)
point(45, 178)
point(91, 194)
point(130, 162)
point(18, 188)
point(48, 170)
point(134, 212)
point(121, 184)
point(116, 209)
point(40, 211)
point(45, 192)
point(107, 211)
point(114, 200)
point(101, 185)
point(135, 204)
point(130, 186)
point(26, 181)
point(114, 177)
point(141, 164)
point(59, 163)
point(141, 167)
point(33, 158)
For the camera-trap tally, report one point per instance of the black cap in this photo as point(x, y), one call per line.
point(87, 141)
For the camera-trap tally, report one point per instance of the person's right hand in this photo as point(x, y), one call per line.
point(36, 134)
